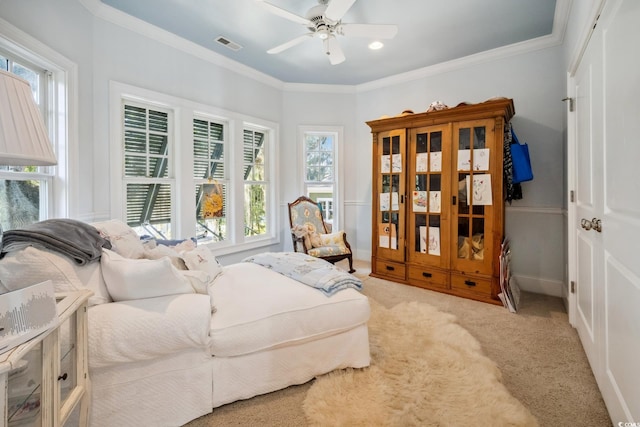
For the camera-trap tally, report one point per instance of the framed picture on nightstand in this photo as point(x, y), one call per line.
point(26, 313)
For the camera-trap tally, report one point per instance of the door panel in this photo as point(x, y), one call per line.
point(585, 297)
point(607, 189)
point(622, 343)
point(621, 213)
point(588, 199)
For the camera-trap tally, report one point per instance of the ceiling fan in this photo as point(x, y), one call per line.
point(324, 22)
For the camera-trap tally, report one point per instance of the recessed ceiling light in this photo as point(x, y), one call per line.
point(375, 45)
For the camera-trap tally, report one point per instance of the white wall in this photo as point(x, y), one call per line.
point(319, 109)
point(105, 51)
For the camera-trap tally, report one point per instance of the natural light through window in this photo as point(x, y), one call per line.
point(320, 170)
point(24, 190)
point(176, 181)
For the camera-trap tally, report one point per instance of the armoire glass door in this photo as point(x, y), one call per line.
point(429, 196)
point(473, 207)
point(391, 196)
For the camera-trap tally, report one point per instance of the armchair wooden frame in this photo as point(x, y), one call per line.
point(299, 241)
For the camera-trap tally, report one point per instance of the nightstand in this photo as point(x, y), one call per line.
point(45, 379)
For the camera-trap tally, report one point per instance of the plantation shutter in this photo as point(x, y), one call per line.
point(146, 158)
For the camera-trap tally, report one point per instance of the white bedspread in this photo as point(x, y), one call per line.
point(258, 309)
point(145, 329)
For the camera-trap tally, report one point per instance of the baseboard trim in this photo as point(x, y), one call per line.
point(539, 285)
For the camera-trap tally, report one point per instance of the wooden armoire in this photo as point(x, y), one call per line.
point(438, 198)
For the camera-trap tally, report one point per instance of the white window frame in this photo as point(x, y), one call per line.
point(61, 118)
point(267, 182)
point(184, 214)
point(338, 200)
point(169, 179)
point(225, 181)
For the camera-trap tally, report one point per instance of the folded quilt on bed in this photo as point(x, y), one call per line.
point(314, 272)
point(75, 239)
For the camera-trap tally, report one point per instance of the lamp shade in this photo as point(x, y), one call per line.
point(23, 136)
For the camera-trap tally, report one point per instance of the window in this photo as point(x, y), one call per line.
point(37, 193)
point(209, 173)
point(25, 191)
point(255, 183)
point(321, 169)
point(146, 170)
point(176, 177)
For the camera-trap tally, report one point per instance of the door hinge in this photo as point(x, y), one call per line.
point(573, 287)
point(572, 196)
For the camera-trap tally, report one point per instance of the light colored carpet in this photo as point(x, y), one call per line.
point(426, 370)
point(539, 354)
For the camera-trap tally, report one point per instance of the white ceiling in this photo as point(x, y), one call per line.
point(429, 32)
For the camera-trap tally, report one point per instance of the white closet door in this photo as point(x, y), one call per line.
point(621, 218)
point(589, 199)
point(607, 188)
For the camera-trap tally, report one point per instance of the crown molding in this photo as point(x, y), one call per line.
point(318, 88)
point(11, 33)
point(110, 14)
point(121, 19)
point(554, 39)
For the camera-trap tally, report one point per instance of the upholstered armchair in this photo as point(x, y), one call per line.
point(310, 235)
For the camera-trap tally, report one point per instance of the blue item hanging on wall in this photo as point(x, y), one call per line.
point(521, 161)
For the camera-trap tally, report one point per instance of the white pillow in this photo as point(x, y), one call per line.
point(129, 279)
point(199, 280)
point(124, 240)
point(165, 251)
point(202, 259)
point(32, 265)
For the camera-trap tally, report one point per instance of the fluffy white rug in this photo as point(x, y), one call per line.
point(426, 370)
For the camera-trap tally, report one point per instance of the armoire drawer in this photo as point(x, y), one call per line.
point(471, 284)
point(430, 277)
point(391, 269)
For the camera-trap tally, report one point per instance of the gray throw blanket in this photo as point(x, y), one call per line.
point(75, 239)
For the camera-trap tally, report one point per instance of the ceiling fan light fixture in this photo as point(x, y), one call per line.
point(376, 45)
point(323, 33)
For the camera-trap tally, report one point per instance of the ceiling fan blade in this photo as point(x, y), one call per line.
point(378, 31)
point(284, 13)
point(333, 49)
point(290, 43)
point(337, 8)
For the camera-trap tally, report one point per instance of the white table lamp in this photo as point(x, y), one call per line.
point(24, 140)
